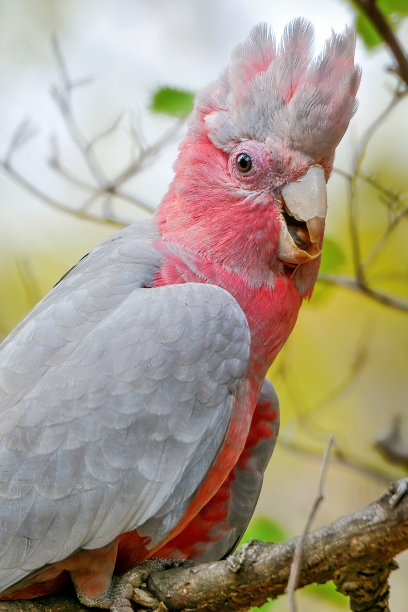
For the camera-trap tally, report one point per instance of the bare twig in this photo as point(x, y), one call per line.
point(339, 457)
point(360, 287)
point(107, 130)
point(393, 447)
point(56, 164)
point(307, 413)
point(358, 158)
point(100, 188)
point(62, 97)
point(52, 202)
point(378, 247)
point(392, 199)
point(108, 187)
point(24, 132)
point(352, 182)
point(146, 156)
point(297, 557)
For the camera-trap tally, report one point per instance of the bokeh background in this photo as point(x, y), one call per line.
point(345, 368)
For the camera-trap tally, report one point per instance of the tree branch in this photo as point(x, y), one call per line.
point(259, 570)
point(376, 17)
point(360, 286)
point(393, 447)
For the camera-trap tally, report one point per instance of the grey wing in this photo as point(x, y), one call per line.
point(111, 415)
point(248, 475)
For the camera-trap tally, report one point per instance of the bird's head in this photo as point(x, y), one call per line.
point(250, 184)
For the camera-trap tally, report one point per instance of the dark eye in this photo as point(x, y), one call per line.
point(244, 163)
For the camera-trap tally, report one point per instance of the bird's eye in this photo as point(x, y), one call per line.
point(244, 163)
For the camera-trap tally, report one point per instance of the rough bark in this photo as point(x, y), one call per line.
point(362, 544)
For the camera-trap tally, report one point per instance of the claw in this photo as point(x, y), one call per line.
point(131, 587)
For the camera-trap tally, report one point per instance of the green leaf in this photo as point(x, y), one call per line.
point(264, 529)
point(327, 592)
point(367, 31)
point(332, 256)
point(173, 102)
point(393, 10)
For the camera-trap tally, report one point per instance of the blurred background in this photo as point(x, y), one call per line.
point(344, 370)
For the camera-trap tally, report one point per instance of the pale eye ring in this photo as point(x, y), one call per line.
point(244, 163)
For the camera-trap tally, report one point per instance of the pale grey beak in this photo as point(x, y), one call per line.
point(303, 217)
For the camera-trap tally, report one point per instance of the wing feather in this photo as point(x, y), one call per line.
point(111, 394)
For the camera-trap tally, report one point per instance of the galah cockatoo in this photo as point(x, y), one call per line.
point(136, 420)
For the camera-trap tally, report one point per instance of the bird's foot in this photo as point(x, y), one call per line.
point(131, 587)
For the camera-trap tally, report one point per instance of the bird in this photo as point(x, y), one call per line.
point(136, 416)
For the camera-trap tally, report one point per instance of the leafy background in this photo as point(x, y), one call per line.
point(344, 369)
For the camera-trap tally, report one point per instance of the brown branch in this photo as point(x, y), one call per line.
point(393, 447)
point(360, 286)
point(378, 20)
point(340, 458)
point(257, 571)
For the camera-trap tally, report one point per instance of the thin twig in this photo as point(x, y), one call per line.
point(127, 197)
point(394, 447)
point(390, 196)
point(52, 202)
point(354, 175)
point(307, 412)
point(106, 131)
point(22, 134)
point(55, 163)
point(62, 97)
point(297, 557)
point(376, 250)
point(340, 458)
point(146, 156)
point(103, 189)
point(360, 287)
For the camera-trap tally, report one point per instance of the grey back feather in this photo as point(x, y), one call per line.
point(280, 92)
point(114, 402)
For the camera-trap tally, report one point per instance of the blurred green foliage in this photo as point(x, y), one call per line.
point(327, 592)
point(267, 530)
point(393, 10)
point(264, 529)
point(332, 256)
point(172, 102)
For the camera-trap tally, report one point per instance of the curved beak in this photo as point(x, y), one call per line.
point(304, 209)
